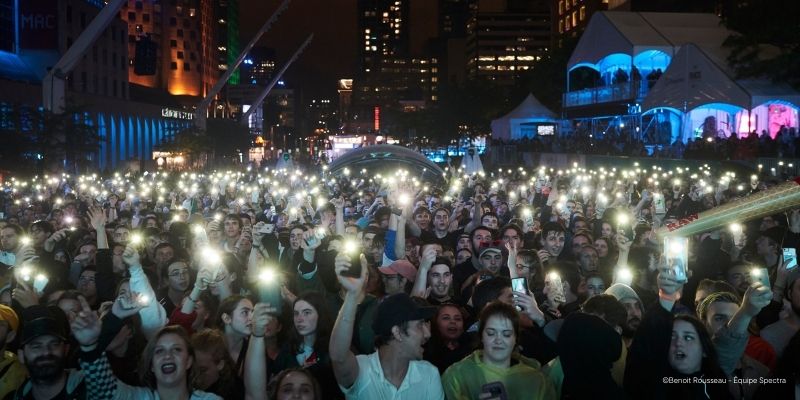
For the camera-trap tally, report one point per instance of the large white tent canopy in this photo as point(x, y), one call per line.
point(522, 120)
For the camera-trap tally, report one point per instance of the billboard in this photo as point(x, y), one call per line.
point(38, 24)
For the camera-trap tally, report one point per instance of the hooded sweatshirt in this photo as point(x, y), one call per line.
point(468, 378)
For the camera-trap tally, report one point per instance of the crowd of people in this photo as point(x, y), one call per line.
point(785, 144)
point(533, 283)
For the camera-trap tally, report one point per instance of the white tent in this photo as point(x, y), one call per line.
point(523, 120)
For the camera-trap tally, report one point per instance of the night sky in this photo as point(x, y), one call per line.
point(329, 57)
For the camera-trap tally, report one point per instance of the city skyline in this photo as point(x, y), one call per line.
point(332, 54)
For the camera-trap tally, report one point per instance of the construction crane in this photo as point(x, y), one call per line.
point(202, 108)
point(54, 82)
point(265, 92)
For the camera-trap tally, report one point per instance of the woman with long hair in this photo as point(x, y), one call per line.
point(497, 370)
point(215, 370)
point(307, 345)
point(166, 368)
point(448, 344)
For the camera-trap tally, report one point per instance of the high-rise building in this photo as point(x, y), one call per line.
point(506, 37)
point(228, 37)
point(389, 73)
point(183, 33)
point(570, 17)
point(259, 66)
point(451, 43)
point(131, 120)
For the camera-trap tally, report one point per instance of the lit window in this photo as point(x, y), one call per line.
point(561, 7)
point(583, 13)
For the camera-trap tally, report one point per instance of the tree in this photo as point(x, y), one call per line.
point(35, 140)
point(764, 22)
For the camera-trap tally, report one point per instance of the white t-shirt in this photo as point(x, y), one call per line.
point(422, 381)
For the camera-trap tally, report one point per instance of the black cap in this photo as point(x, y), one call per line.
point(41, 320)
point(396, 309)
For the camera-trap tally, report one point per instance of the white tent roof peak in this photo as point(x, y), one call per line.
point(531, 107)
point(632, 33)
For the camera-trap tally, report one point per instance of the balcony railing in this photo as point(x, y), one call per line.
point(606, 94)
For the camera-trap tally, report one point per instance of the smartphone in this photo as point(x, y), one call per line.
point(270, 293)
point(790, 258)
point(485, 277)
point(39, 283)
point(266, 229)
point(556, 286)
point(676, 250)
point(519, 285)
point(353, 250)
point(760, 274)
point(660, 204)
point(494, 391)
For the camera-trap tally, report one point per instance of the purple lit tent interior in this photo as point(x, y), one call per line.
point(696, 82)
point(524, 121)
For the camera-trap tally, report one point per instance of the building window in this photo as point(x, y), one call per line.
point(173, 43)
point(180, 55)
point(192, 57)
point(192, 34)
point(139, 29)
point(146, 17)
point(114, 87)
point(173, 21)
point(186, 67)
point(173, 65)
point(560, 26)
point(186, 23)
point(583, 13)
point(131, 38)
point(132, 16)
point(113, 59)
point(180, 33)
point(561, 7)
point(574, 18)
point(138, 5)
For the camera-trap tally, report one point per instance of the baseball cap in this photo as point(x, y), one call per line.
point(7, 314)
point(43, 320)
point(396, 309)
point(487, 249)
point(402, 267)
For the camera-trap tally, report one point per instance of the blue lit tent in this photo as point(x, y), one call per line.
point(684, 77)
point(529, 119)
point(699, 87)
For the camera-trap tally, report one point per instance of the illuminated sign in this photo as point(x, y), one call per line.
point(177, 114)
point(38, 24)
point(377, 118)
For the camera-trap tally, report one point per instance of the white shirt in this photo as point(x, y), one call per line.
point(422, 381)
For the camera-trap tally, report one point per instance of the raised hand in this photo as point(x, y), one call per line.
point(263, 314)
point(756, 297)
point(97, 218)
point(338, 203)
point(529, 307)
point(352, 285)
point(130, 256)
point(428, 257)
point(127, 306)
point(310, 241)
point(24, 295)
point(56, 237)
point(86, 325)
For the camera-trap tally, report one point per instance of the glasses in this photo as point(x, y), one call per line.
point(179, 273)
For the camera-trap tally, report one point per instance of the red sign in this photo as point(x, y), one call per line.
point(38, 24)
point(377, 119)
point(682, 222)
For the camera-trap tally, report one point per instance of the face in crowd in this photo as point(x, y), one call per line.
point(441, 279)
point(553, 242)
